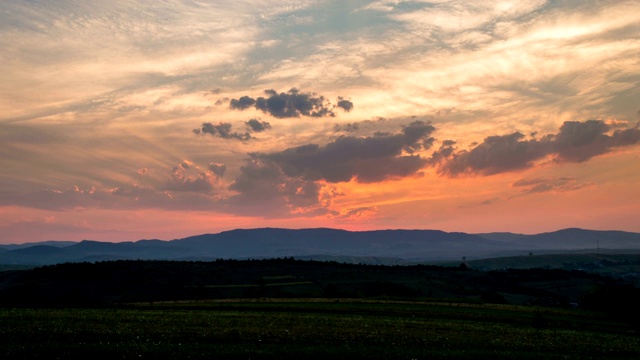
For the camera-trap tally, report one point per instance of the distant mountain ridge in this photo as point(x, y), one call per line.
point(391, 246)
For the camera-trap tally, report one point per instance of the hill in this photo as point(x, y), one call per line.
point(121, 282)
point(383, 246)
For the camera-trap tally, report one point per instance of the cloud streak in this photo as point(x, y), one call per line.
point(543, 185)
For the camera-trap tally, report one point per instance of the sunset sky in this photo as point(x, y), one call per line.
point(122, 120)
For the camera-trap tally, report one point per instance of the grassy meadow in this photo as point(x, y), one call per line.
point(314, 329)
point(286, 308)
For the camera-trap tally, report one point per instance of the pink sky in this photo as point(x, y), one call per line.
point(123, 121)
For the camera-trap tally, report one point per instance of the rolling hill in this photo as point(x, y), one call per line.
point(382, 246)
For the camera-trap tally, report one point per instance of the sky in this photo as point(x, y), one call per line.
point(124, 120)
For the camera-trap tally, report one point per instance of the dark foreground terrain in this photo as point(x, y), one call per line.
point(286, 308)
point(121, 282)
point(313, 329)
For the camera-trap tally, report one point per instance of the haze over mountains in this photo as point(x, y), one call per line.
point(383, 246)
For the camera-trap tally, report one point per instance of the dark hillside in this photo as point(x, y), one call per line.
point(118, 282)
point(501, 236)
point(585, 239)
point(38, 250)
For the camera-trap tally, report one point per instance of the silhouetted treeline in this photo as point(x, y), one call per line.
point(119, 282)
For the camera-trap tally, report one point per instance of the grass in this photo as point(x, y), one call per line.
point(314, 329)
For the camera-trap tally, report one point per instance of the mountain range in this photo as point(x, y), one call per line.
point(381, 246)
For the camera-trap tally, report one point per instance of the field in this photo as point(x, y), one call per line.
point(287, 308)
point(314, 329)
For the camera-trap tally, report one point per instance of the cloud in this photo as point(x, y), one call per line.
point(346, 105)
point(578, 142)
point(243, 103)
point(575, 142)
point(356, 213)
point(143, 171)
point(540, 185)
point(358, 126)
point(349, 127)
point(416, 136)
point(291, 104)
point(201, 183)
point(257, 125)
point(494, 155)
point(71, 198)
point(218, 168)
point(181, 181)
point(222, 130)
point(366, 159)
point(264, 189)
point(294, 181)
point(134, 192)
point(447, 149)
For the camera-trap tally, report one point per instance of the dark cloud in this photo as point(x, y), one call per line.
point(575, 142)
point(218, 168)
point(367, 159)
point(263, 186)
point(625, 137)
point(416, 136)
point(580, 141)
point(290, 104)
point(445, 151)
point(257, 125)
point(494, 155)
point(222, 130)
point(281, 183)
point(221, 101)
point(346, 105)
point(258, 180)
point(244, 102)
